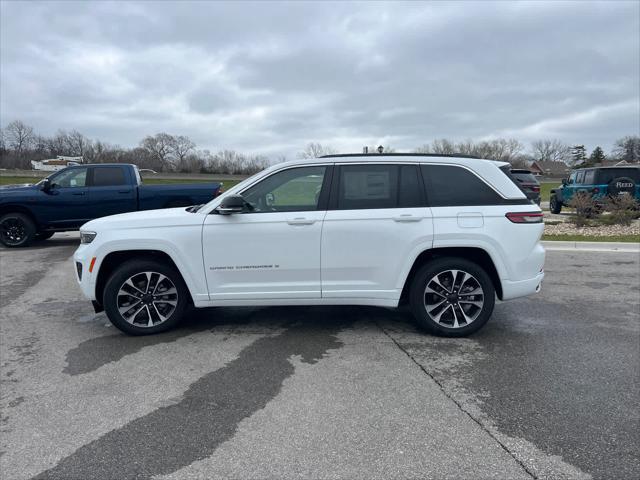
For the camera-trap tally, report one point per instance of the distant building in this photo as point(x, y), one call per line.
point(53, 164)
point(547, 168)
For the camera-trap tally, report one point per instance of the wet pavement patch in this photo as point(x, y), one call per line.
point(538, 381)
point(38, 266)
point(96, 352)
point(208, 413)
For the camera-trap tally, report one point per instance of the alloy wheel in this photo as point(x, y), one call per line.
point(453, 298)
point(147, 299)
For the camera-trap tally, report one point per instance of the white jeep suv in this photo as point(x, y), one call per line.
point(446, 233)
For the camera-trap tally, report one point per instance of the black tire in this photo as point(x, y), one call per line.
point(16, 230)
point(418, 297)
point(136, 269)
point(44, 235)
point(554, 205)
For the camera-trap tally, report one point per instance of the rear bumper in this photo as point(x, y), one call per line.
point(522, 288)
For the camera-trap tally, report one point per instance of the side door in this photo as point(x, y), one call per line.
point(272, 249)
point(569, 189)
point(65, 205)
point(376, 225)
point(111, 190)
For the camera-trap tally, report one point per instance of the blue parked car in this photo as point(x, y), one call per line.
point(71, 197)
point(599, 182)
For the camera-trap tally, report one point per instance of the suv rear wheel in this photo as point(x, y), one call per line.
point(143, 297)
point(452, 297)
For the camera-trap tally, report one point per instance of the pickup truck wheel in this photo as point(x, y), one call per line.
point(16, 230)
point(143, 297)
point(452, 297)
point(554, 205)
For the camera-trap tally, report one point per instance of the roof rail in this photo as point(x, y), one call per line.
point(453, 155)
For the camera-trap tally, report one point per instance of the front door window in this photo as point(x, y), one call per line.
point(292, 190)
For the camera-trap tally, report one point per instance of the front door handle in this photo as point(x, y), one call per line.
point(407, 217)
point(124, 191)
point(77, 193)
point(301, 221)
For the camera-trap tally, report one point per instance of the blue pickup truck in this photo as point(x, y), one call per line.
point(73, 196)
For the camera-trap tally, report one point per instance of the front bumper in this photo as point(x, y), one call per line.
point(81, 262)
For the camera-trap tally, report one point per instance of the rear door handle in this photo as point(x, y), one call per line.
point(77, 193)
point(407, 217)
point(124, 191)
point(301, 221)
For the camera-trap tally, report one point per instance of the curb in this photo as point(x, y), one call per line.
point(552, 245)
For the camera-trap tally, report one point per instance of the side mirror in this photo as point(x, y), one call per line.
point(270, 199)
point(231, 204)
point(565, 182)
point(46, 185)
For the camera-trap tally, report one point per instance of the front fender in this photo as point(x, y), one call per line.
point(188, 260)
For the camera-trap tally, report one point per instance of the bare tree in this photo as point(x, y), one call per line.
point(552, 150)
point(19, 136)
point(181, 147)
point(628, 149)
point(160, 148)
point(315, 150)
point(58, 144)
point(77, 143)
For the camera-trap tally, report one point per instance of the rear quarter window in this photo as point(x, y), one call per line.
point(451, 186)
point(605, 175)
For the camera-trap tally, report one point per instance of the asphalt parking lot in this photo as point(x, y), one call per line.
point(548, 389)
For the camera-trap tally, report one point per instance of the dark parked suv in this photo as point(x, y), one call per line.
point(599, 182)
point(528, 183)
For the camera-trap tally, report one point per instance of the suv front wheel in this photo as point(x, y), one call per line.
point(143, 297)
point(452, 297)
point(554, 205)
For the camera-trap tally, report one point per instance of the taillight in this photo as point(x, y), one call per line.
point(535, 188)
point(525, 217)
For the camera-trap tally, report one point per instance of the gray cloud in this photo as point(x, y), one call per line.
point(270, 77)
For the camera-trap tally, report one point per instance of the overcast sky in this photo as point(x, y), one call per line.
point(271, 77)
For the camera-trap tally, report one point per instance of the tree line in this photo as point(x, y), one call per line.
point(20, 144)
point(162, 152)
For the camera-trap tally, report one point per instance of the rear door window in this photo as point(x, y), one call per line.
point(590, 177)
point(108, 176)
point(452, 186)
point(368, 186)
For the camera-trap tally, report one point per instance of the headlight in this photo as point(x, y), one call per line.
point(87, 237)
